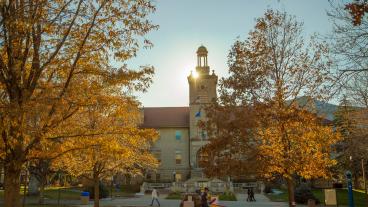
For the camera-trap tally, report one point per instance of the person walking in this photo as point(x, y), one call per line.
point(252, 195)
point(248, 197)
point(155, 197)
point(204, 196)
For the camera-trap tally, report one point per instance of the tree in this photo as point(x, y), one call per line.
point(268, 72)
point(349, 40)
point(351, 121)
point(232, 151)
point(117, 147)
point(357, 10)
point(52, 53)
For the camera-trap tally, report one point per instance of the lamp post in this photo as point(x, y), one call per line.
point(349, 177)
point(350, 188)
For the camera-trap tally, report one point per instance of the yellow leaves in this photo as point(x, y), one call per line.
point(113, 141)
point(297, 143)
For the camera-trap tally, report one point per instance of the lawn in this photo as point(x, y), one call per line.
point(341, 194)
point(45, 205)
point(342, 197)
point(227, 197)
point(52, 193)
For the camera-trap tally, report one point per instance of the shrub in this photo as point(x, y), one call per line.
point(174, 195)
point(303, 193)
point(104, 191)
point(227, 196)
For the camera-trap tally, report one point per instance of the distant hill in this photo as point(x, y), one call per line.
point(323, 109)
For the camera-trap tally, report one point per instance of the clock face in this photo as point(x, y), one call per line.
point(201, 87)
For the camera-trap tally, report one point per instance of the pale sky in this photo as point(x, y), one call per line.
point(186, 24)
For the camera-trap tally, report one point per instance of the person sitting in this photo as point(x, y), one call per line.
point(215, 202)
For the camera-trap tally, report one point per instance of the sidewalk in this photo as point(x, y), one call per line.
point(145, 201)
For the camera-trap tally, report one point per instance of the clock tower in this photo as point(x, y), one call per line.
point(202, 91)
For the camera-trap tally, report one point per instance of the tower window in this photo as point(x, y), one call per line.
point(178, 177)
point(178, 157)
point(178, 135)
point(202, 87)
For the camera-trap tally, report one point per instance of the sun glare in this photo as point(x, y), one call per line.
point(195, 74)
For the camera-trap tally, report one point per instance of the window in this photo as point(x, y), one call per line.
point(178, 135)
point(148, 176)
point(158, 177)
point(178, 177)
point(178, 157)
point(203, 135)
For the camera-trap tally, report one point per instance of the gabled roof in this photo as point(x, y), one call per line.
point(161, 117)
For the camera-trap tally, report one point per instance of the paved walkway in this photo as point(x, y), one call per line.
point(144, 201)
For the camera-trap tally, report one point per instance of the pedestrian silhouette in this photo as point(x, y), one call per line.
point(155, 197)
point(252, 195)
point(248, 197)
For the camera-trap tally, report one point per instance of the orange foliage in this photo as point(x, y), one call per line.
point(57, 62)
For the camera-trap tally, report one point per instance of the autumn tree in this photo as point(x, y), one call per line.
point(348, 40)
point(117, 146)
point(232, 150)
point(268, 72)
point(358, 10)
point(52, 53)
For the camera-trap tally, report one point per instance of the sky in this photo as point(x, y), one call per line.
point(184, 25)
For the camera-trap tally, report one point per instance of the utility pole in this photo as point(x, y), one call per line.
point(364, 184)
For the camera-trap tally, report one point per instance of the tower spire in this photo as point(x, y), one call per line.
point(202, 62)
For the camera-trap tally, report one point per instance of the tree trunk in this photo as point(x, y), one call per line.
point(96, 191)
point(290, 183)
point(356, 182)
point(12, 184)
point(33, 186)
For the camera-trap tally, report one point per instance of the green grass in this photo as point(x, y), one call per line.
point(227, 197)
point(342, 197)
point(65, 193)
point(52, 193)
point(341, 194)
point(44, 205)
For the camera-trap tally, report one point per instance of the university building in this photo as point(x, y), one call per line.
point(180, 139)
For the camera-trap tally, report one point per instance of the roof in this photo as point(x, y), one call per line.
point(202, 50)
point(160, 117)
